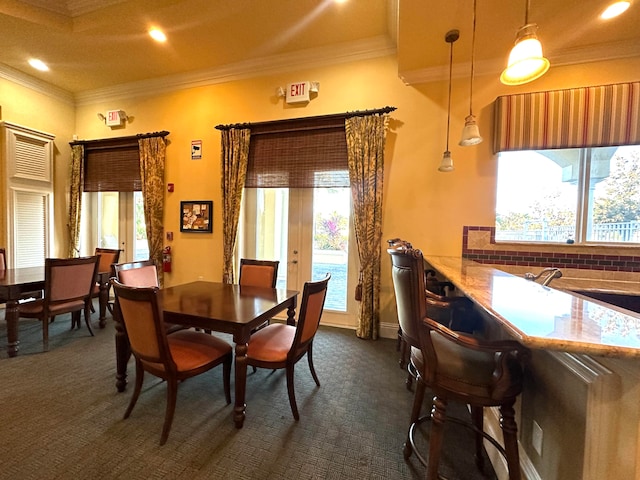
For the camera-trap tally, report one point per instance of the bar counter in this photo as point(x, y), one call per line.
point(543, 317)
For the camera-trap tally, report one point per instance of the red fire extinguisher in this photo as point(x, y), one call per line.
point(166, 259)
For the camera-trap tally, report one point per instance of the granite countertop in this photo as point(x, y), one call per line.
point(543, 317)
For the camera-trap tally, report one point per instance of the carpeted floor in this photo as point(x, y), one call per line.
point(61, 417)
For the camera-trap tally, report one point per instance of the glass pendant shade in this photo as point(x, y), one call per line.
point(446, 165)
point(526, 62)
point(470, 132)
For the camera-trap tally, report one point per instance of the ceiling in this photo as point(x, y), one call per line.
point(96, 44)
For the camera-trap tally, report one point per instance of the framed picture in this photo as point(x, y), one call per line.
point(197, 216)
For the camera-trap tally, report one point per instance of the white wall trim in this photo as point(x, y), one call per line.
point(312, 58)
point(36, 85)
point(595, 53)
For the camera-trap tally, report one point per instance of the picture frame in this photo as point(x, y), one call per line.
point(196, 216)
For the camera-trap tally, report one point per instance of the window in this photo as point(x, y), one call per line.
point(574, 195)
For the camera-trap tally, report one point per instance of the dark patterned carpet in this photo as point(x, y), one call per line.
point(61, 417)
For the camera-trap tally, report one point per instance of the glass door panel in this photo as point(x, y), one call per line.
point(308, 231)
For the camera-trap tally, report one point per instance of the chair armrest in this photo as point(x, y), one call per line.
point(469, 341)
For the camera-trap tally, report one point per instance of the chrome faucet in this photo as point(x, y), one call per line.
point(550, 272)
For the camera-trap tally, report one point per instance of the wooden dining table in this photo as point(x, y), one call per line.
point(16, 281)
point(219, 307)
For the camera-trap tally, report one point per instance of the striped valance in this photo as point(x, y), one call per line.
point(606, 115)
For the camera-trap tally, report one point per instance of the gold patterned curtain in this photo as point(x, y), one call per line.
point(152, 160)
point(235, 155)
point(365, 149)
point(75, 199)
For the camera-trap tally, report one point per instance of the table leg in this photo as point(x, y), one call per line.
point(103, 299)
point(123, 353)
point(11, 317)
point(291, 314)
point(241, 384)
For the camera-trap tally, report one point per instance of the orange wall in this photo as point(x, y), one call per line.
point(425, 206)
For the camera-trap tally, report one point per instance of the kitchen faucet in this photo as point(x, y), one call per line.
point(551, 273)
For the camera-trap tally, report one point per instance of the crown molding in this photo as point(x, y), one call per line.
point(311, 58)
point(594, 53)
point(34, 84)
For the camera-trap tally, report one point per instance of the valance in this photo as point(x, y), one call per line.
point(599, 116)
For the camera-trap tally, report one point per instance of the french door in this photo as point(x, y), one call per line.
point(118, 222)
point(309, 231)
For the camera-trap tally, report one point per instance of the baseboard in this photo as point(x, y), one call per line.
point(388, 330)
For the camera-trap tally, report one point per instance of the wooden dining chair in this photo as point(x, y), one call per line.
point(281, 346)
point(67, 289)
point(142, 273)
point(258, 273)
point(174, 357)
point(108, 257)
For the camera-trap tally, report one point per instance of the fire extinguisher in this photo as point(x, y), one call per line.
point(166, 259)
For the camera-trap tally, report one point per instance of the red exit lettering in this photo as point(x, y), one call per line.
point(297, 89)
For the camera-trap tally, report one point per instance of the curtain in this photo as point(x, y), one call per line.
point(599, 116)
point(235, 154)
point(152, 159)
point(75, 199)
point(365, 150)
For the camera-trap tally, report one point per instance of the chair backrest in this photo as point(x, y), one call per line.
point(69, 279)
point(311, 307)
point(142, 316)
point(137, 274)
point(3, 259)
point(108, 257)
point(407, 273)
point(258, 273)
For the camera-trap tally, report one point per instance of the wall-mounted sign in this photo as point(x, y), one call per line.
point(196, 149)
point(114, 118)
point(298, 92)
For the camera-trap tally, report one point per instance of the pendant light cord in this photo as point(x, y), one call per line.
point(473, 51)
point(526, 12)
point(449, 105)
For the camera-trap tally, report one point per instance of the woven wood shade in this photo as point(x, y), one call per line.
point(112, 170)
point(300, 153)
point(113, 164)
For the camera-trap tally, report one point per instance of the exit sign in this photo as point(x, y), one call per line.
point(114, 118)
point(298, 92)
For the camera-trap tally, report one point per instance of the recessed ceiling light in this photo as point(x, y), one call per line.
point(614, 10)
point(157, 34)
point(38, 64)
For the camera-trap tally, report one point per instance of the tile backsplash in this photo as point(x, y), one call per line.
point(595, 262)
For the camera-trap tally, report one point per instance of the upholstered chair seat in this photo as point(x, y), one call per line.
point(282, 346)
point(470, 372)
point(272, 344)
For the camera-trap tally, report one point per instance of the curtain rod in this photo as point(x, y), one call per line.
point(345, 115)
point(121, 140)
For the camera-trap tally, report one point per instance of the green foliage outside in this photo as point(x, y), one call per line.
point(141, 228)
point(332, 232)
point(621, 203)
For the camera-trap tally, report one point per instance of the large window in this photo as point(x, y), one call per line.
point(575, 195)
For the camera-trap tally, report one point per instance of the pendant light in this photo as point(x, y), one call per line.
point(526, 62)
point(471, 132)
point(446, 165)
